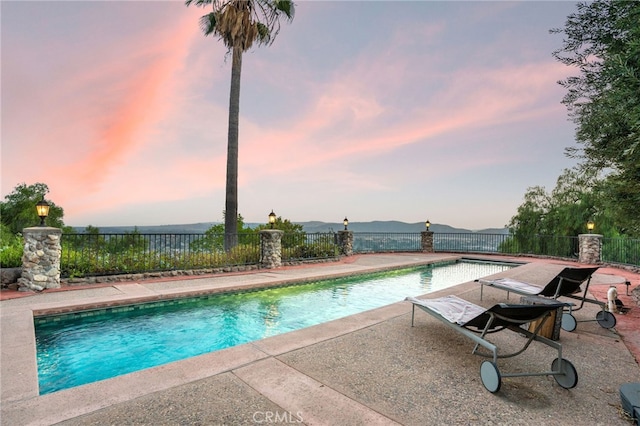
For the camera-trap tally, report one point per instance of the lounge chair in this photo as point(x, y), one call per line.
point(566, 284)
point(462, 316)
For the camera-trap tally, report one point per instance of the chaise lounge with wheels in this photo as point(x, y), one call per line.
point(475, 322)
point(566, 284)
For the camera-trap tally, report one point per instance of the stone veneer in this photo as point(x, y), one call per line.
point(426, 238)
point(345, 242)
point(271, 248)
point(590, 246)
point(40, 259)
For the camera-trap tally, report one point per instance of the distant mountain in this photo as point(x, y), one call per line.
point(310, 227)
point(392, 226)
point(504, 231)
point(193, 228)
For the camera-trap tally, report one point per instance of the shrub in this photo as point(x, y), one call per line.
point(11, 247)
point(310, 251)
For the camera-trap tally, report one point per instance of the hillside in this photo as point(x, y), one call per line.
point(310, 227)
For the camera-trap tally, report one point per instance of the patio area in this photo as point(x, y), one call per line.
point(369, 368)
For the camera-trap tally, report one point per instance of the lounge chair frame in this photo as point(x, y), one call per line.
point(497, 319)
point(565, 284)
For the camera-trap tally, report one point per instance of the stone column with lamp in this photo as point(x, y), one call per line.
point(41, 255)
point(427, 239)
point(345, 239)
point(590, 246)
point(271, 245)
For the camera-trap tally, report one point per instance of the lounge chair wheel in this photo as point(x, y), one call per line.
point(606, 319)
point(490, 376)
point(569, 322)
point(568, 377)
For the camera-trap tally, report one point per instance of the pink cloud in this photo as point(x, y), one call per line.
point(114, 107)
point(348, 118)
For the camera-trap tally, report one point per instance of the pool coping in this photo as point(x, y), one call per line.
point(21, 403)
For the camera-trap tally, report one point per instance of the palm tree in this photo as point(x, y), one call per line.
point(239, 23)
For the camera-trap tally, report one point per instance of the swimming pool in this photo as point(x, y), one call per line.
point(84, 347)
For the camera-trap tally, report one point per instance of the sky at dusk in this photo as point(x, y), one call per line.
point(374, 110)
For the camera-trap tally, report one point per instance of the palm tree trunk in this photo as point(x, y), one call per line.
point(231, 202)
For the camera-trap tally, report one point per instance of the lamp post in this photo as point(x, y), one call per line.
point(271, 244)
point(590, 245)
point(344, 239)
point(272, 218)
point(43, 270)
point(42, 207)
point(426, 238)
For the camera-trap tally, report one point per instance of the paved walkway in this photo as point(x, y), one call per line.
point(367, 369)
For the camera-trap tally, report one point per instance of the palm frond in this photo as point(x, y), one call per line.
point(240, 23)
point(264, 35)
point(285, 6)
point(208, 23)
point(199, 3)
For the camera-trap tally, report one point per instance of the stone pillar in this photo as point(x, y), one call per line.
point(40, 259)
point(345, 242)
point(427, 241)
point(590, 248)
point(271, 248)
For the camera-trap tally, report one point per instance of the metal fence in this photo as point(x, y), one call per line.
point(621, 250)
point(468, 243)
point(614, 250)
point(297, 246)
point(542, 245)
point(106, 254)
point(110, 254)
point(379, 242)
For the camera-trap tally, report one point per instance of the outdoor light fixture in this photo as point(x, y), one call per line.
point(42, 207)
point(427, 224)
point(590, 226)
point(272, 219)
point(345, 222)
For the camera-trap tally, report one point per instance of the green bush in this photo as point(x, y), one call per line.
point(80, 263)
point(11, 247)
point(310, 251)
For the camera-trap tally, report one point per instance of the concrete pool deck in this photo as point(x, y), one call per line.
point(369, 368)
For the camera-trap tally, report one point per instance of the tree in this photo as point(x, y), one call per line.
point(294, 234)
point(602, 39)
point(284, 225)
point(213, 239)
point(564, 212)
point(18, 211)
point(240, 23)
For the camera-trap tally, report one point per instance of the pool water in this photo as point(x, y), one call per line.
point(79, 348)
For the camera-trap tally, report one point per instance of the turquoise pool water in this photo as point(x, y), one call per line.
point(84, 347)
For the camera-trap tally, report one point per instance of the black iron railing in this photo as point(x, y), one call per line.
point(625, 251)
point(468, 243)
point(106, 254)
point(542, 245)
point(380, 242)
point(299, 246)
